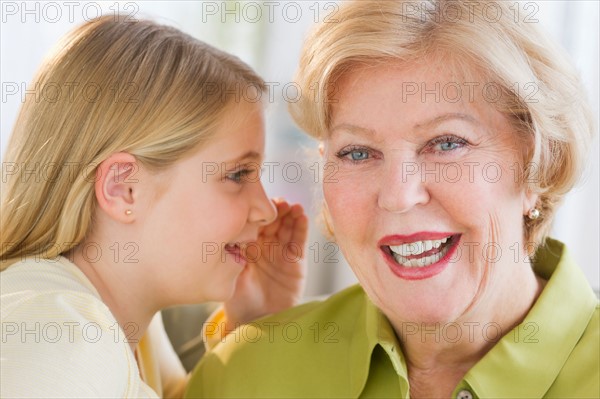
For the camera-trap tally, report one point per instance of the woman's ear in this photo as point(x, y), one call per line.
point(530, 200)
point(321, 148)
point(326, 217)
point(115, 186)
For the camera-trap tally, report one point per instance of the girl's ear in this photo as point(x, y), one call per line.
point(115, 187)
point(321, 148)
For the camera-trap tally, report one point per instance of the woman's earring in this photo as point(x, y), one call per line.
point(128, 212)
point(533, 214)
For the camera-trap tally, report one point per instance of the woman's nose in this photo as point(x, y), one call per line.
point(402, 187)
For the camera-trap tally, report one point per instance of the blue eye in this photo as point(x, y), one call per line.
point(447, 146)
point(447, 143)
point(354, 154)
point(358, 155)
point(238, 176)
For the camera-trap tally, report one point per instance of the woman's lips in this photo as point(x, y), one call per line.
point(419, 256)
point(420, 236)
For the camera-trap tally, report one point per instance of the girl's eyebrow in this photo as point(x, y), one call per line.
point(249, 156)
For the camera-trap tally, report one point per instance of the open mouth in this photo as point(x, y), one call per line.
point(236, 250)
point(423, 253)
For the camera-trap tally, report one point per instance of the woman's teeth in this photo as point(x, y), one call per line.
point(417, 247)
point(399, 252)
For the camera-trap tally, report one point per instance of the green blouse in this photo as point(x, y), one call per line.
point(345, 347)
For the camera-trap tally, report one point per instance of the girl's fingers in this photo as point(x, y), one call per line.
point(291, 225)
point(297, 210)
point(300, 230)
point(299, 235)
point(272, 228)
point(286, 230)
point(283, 208)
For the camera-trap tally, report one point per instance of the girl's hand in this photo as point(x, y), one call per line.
point(273, 279)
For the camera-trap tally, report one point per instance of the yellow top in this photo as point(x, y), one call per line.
point(60, 340)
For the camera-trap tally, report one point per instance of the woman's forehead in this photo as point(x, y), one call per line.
point(412, 97)
point(435, 68)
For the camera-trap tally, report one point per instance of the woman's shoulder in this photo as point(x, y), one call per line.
point(340, 305)
point(340, 309)
point(313, 342)
point(580, 374)
point(338, 313)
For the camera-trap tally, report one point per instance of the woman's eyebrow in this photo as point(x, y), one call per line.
point(442, 118)
point(353, 129)
point(361, 131)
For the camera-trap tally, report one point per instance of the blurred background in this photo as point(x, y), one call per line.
point(268, 36)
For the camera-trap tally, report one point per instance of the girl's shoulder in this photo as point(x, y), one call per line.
point(51, 286)
point(50, 289)
point(41, 274)
point(58, 337)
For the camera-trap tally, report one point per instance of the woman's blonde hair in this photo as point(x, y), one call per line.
point(540, 91)
point(111, 85)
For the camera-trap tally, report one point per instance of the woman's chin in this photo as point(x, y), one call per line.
point(424, 312)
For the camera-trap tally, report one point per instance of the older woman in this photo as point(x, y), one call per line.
point(453, 139)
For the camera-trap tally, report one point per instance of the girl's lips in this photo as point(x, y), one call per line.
point(420, 273)
point(237, 254)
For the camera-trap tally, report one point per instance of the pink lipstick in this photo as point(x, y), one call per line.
point(419, 256)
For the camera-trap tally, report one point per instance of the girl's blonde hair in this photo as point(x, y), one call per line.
point(495, 41)
point(111, 85)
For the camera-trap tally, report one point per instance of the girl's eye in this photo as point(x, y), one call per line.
point(446, 144)
point(238, 176)
point(354, 154)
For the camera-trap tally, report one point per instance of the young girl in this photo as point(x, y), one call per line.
point(132, 184)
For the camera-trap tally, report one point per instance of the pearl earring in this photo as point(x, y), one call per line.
point(533, 214)
point(128, 212)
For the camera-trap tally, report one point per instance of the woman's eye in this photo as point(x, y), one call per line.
point(359, 155)
point(354, 154)
point(447, 143)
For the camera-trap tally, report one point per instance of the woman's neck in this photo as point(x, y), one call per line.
point(438, 355)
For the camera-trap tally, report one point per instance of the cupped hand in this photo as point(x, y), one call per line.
point(273, 279)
